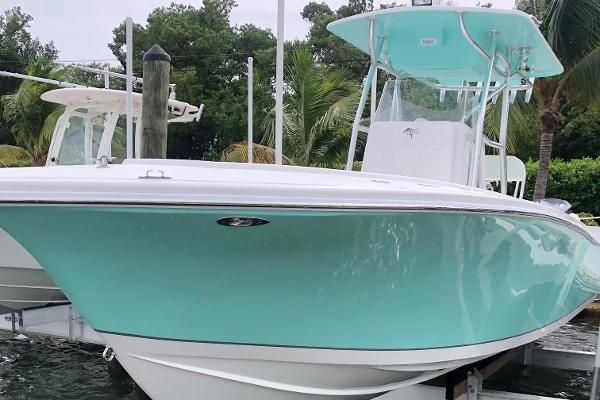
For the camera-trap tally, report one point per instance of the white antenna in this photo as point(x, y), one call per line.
point(129, 72)
point(250, 105)
point(279, 84)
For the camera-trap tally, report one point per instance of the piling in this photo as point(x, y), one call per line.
point(155, 97)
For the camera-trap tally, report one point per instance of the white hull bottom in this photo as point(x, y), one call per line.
point(187, 370)
point(168, 369)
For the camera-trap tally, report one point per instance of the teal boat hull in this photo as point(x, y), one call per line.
point(326, 279)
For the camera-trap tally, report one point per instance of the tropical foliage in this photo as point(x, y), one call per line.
point(261, 154)
point(209, 58)
point(577, 181)
point(18, 49)
point(30, 120)
point(579, 135)
point(571, 28)
point(319, 108)
point(318, 112)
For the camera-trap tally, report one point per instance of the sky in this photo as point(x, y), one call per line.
point(81, 29)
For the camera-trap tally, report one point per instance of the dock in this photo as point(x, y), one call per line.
point(62, 321)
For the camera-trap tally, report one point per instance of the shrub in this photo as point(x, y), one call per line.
point(586, 220)
point(22, 163)
point(577, 181)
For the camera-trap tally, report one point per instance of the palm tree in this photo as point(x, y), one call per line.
point(571, 28)
point(317, 115)
point(30, 120)
point(238, 152)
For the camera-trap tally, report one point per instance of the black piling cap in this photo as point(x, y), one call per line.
point(156, 53)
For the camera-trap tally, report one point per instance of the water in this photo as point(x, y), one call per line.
point(52, 369)
point(579, 334)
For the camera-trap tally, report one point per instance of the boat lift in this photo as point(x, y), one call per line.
point(64, 321)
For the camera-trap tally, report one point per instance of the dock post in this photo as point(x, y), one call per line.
point(13, 317)
point(474, 385)
point(71, 336)
point(528, 355)
point(155, 97)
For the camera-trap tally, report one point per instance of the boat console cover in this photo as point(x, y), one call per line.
point(439, 150)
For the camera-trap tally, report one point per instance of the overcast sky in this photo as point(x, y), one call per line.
point(81, 29)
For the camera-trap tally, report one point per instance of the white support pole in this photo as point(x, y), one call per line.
point(129, 72)
point(369, 81)
point(374, 96)
point(474, 177)
point(358, 116)
point(87, 138)
point(250, 106)
point(106, 78)
point(503, 136)
point(43, 80)
point(279, 84)
point(111, 74)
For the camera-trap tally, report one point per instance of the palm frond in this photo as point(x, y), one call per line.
point(268, 125)
point(30, 119)
point(44, 137)
point(584, 77)
point(523, 122)
point(572, 27)
point(238, 152)
point(13, 155)
point(319, 107)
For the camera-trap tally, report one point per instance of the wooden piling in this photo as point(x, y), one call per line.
point(155, 97)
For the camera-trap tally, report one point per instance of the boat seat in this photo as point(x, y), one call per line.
point(515, 172)
point(439, 150)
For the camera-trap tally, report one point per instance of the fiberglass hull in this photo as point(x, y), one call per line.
point(320, 301)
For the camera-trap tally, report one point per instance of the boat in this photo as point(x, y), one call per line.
point(91, 129)
point(286, 282)
point(23, 282)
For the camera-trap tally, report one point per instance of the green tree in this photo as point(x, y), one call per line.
point(17, 47)
point(17, 50)
point(209, 59)
point(92, 79)
point(579, 136)
point(261, 154)
point(538, 8)
point(571, 28)
point(328, 48)
point(30, 119)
